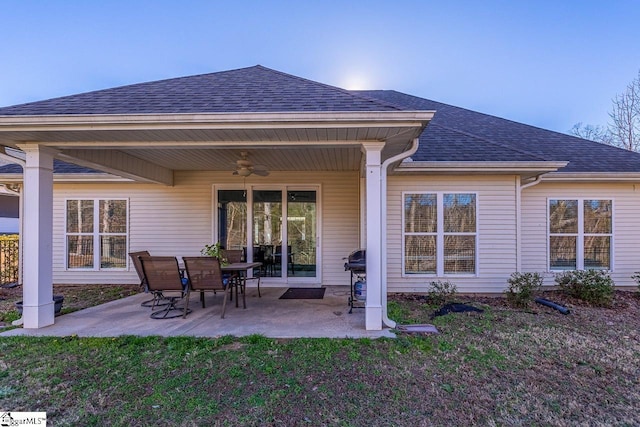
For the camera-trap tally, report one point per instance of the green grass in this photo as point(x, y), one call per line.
point(500, 367)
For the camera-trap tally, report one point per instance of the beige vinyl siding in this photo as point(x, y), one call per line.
point(626, 228)
point(496, 230)
point(178, 220)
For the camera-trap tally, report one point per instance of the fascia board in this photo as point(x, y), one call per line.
point(592, 176)
point(216, 120)
point(488, 167)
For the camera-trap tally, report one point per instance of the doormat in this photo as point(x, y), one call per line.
point(304, 293)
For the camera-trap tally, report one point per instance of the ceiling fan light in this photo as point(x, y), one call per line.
point(244, 171)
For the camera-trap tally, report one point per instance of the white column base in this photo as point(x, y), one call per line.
point(373, 317)
point(38, 316)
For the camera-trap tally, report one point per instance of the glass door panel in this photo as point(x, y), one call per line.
point(232, 219)
point(300, 253)
point(267, 229)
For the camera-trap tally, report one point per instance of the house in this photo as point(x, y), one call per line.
point(305, 173)
point(9, 212)
point(9, 208)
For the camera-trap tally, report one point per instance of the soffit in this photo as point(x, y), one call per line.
point(302, 141)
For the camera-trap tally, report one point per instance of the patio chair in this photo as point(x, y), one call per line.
point(234, 256)
point(204, 275)
point(278, 258)
point(163, 276)
point(135, 257)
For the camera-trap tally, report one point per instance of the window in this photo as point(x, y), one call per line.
point(100, 224)
point(439, 233)
point(580, 233)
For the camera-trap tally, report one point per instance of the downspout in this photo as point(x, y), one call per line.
point(383, 186)
point(4, 154)
point(519, 188)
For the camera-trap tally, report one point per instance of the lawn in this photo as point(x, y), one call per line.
point(503, 366)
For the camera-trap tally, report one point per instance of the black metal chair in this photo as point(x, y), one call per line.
point(165, 281)
point(135, 258)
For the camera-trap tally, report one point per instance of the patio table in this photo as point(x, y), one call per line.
point(242, 269)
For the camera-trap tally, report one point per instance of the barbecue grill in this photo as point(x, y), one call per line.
point(357, 261)
point(357, 265)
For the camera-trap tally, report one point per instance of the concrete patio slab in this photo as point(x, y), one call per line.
point(269, 316)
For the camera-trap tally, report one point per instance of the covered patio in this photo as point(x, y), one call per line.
point(186, 144)
point(268, 316)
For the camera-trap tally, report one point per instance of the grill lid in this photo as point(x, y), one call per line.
point(357, 260)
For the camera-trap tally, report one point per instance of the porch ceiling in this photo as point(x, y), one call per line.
point(150, 147)
point(280, 159)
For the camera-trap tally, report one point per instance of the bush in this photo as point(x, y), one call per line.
point(593, 286)
point(442, 292)
point(522, 288)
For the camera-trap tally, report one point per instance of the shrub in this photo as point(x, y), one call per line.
point(594, 286)
point(211, 250)
point(442, 292)
point(522, 288)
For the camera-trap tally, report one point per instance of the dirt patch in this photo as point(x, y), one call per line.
point(623, 310)
point(76, 297)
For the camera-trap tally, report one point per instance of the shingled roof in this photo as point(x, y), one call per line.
point(454, 135)
point(458, 134)
point(59, 167)
point(252, 90)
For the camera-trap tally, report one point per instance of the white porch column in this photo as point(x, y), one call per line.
point(37, 237)
point(373, 308)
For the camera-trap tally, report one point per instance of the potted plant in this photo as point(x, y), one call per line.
point(57, 307)
point(214, 250)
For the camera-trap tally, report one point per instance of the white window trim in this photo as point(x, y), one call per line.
point(249, 188)
point(96, 235)
point(581, 234)
point(440, 234)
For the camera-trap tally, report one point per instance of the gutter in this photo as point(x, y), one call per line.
point(519, 188)
point(335, 119)
point(383, 220)
point(485, 167)
point(593, 176)
point(12, 156)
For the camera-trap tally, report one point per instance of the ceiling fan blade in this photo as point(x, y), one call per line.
point(235, 173)
point(261, 172)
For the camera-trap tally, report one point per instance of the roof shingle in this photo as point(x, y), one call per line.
point(58, 167)
point(458, 134)
point(454, 134)
point(252, 89)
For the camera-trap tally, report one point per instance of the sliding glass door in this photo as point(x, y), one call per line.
point(301, 233)
point(267, 230)
point(259, 220)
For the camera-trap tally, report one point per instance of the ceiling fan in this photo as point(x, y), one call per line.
point(245, 167)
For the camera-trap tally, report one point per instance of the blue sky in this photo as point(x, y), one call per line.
point(546, 63)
